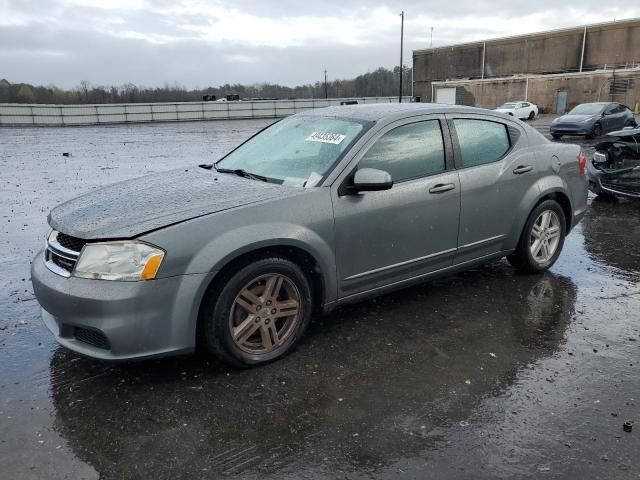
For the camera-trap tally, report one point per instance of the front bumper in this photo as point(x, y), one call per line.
point(563, 129)
point(597, 186)
point(113, 320)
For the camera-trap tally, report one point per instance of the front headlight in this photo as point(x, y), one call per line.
point(124, 261)
point(600, 157)
point(587, 120)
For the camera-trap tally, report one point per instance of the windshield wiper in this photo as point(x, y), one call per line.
point(241, 173)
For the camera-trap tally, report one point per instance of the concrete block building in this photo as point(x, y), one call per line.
point(555, 70)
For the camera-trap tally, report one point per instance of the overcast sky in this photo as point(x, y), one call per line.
point(199, 43)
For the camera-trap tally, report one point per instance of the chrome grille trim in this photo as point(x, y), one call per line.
point(55, 253)
point(56, 247)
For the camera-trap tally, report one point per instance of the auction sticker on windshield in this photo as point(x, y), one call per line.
point(323, 137)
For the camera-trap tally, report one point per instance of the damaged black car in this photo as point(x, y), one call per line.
point(614, 170)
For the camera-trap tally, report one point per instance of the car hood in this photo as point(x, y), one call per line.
point(627, 132)
point(137, 206)
point(574, 118)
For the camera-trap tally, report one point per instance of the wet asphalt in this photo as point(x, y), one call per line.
point(484, 374)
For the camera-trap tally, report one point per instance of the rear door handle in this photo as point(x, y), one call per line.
point(522, 169)
point(442, 187)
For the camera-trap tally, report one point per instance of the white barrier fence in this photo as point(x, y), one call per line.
point(16, 114)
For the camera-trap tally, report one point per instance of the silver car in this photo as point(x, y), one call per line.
point(318, 210)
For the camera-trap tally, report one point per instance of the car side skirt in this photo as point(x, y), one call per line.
point(357, 297)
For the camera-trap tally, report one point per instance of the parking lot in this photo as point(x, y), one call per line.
point(484, 374)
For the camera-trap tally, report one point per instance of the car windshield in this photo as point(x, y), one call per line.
point(508, 105)
point(296, 150)
point(587, 109)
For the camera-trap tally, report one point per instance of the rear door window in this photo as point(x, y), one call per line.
point(481, 141)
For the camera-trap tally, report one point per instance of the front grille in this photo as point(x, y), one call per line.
point(62, 262)
point(62, 253)
point(72, 243)
point(92, 337)
point(629, 189)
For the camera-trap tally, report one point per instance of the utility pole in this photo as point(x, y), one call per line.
point(326, 92)
point(401, 45)
point(431, 41)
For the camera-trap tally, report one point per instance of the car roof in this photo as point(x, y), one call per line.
point(597, 103)
point(374, 112)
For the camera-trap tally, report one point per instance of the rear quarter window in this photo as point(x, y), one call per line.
point(481, 141)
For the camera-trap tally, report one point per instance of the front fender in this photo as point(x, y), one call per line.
point(233, 244)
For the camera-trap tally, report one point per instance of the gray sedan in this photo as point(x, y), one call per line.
point(318, 210)
point(593, 120)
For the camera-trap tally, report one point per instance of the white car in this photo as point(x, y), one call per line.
point(522, 110)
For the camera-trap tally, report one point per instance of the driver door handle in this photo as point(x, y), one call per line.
point(522, 169)
point(442, 187)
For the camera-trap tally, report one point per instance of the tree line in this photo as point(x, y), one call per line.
point(381, 82)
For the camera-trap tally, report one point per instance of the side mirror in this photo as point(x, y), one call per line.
point(370, 180)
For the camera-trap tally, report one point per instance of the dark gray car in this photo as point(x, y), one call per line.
point(319, 209)
point(592, 120)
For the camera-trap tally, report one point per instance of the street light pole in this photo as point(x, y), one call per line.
point(326, 92)
point(401, 45)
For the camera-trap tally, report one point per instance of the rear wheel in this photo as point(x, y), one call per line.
point(259, 314)
point(542, 239)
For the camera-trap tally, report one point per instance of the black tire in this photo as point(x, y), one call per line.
point(556, 136)
point(215, 319)
point(532, 115)
point(522, 258)
point(596, 131)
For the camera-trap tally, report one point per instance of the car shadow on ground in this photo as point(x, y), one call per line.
point(369, 383)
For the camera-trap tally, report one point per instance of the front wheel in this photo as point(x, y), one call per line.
point(532, 115)
point(259, 314)
point(542, 238)
point(596, 131)
point(556, 136)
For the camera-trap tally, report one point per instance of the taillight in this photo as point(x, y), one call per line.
point(582, 163)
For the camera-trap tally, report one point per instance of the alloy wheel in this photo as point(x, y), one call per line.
point(597, 130)
point(545, 236)
point(265, 313)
